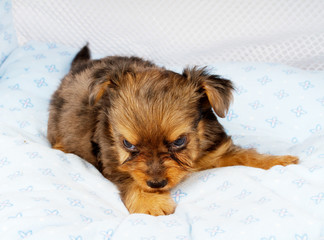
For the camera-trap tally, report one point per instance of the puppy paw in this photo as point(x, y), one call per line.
point(152, 207)
point(287, 160)
point(155, 204)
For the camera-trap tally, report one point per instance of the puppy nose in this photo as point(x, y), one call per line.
point(157, 184)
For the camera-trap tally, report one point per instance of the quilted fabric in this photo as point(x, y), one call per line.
point(8, 40)
point(47, 194)
point(177, 33)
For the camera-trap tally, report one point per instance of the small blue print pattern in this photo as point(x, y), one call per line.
point(47, 194)
point(8, 39)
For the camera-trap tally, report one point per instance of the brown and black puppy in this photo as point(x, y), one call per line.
point(146, 128)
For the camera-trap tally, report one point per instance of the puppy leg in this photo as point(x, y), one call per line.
point(138, 201)
point(229, 154)
point(251, 158)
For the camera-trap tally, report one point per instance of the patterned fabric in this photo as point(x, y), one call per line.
point(8, 40)
point(46, 194)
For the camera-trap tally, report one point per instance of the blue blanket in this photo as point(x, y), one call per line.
point(47, 194)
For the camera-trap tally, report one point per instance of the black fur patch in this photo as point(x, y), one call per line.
point(100, 73)
point(82, 56)
point(58, 101)
point(81, 60)
point(95, 148)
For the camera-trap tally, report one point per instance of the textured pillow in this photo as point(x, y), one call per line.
point(8, 40)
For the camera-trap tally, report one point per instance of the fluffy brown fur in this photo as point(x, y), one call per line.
point(146, 128)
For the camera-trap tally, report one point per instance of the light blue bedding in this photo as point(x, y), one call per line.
point(8, 39)
point(47, 194)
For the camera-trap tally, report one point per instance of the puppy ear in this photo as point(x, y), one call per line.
point(102, 79)
point(97, 89)
point(217, 89)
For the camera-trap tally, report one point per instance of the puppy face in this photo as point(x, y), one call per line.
point(160, 122)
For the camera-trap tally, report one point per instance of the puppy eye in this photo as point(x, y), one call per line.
point(180, 142)
point(129, 146)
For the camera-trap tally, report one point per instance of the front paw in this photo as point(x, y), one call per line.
point(287, 160)
point(153, 205)
point(156, 204)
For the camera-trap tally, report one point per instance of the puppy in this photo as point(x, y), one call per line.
point(146, 128)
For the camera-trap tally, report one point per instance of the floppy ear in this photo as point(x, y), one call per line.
point(97, 90)
point(217, 89)
point(102, 79)
point(112, 76)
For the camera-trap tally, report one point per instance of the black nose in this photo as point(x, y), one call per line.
point(157, 184)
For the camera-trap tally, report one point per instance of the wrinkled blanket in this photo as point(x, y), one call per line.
point(47, 194)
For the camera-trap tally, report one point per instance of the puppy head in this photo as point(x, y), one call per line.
point(161, 122)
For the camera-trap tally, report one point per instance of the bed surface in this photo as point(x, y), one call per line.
point(47, 194)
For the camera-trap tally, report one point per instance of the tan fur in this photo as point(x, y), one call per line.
point(58, 146)
point(146, 128)
point(102, 88)
point(230, 155)
point(156, 203)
